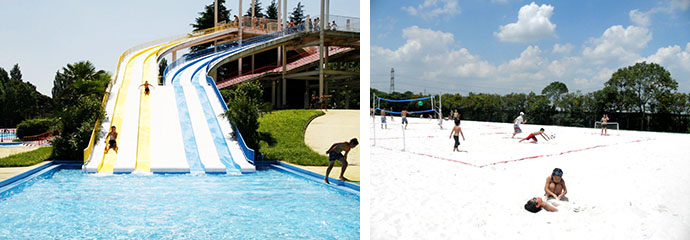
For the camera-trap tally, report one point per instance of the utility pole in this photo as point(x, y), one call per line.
point(392, 80)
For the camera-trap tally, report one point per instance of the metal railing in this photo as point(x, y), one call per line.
point(342, 23)
point(8, 134)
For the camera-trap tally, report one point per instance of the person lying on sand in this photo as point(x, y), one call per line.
point(534, 134)
point(555, 185)
point(535, 205)
point(335, 153)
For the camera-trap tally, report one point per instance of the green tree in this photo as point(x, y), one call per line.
point(205, 20)
point(19, 100)
point(257, 10)
point(272, 11)
point(244, 108)
point(77, 80)
point(554, 91)
point(161, 69)
point(15, 73)
point(298, 14)
point(641, 86)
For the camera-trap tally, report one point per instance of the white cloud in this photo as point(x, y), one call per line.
point(639, 18)
point(434, 8)
point(533, 24)
point(618, 44)
point(675, 60)
point(562, 49)
point(680, 4)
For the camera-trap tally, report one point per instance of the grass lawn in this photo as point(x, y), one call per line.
point(26, 158)
point(282, 137)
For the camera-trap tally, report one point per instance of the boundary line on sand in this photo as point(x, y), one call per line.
point(519, 159)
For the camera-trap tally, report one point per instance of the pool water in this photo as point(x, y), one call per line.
point(265, 205)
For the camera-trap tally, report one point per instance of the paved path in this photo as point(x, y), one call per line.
point(6, 151)
point(336, 126)
point(8, 172)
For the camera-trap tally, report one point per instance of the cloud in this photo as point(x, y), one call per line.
point(680, 4)
point(434, 8)
point(639, 18)
point(617, 44)
point(562, 49)
point(533, 24)
point(674, 59)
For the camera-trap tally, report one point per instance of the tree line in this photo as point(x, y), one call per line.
point(642, 96)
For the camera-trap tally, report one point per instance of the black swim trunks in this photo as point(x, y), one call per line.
point(112, 143)
point(333, 156)
point(457, 141)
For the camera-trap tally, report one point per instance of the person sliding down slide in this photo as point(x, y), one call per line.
point(534, 138)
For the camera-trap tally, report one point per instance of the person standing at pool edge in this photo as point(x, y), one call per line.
point(335, 154)
point(113, 142)
point(516, 123)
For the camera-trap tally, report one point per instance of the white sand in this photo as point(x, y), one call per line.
point(629, 185)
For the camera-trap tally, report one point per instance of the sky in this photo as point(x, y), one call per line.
point(506, 46)
point(43, 36)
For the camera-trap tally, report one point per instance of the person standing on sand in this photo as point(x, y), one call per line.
point(516, 125)
point(113, 140)
point(555, 185)
point(383, 118)
point(404, 117)
point(456, 115)
point(455, 133)
point(535, 205)
point(604, 121)
point(534, 134)
point(335, 154)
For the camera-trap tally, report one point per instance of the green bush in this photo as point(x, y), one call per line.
point(282, 137)
point(26, 158)
point(34, 126)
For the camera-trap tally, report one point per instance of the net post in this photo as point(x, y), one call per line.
point(404, 139)
point(440, 111)
point(374, 119)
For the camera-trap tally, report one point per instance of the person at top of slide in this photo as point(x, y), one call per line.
point(535, 205)
point(335, 154)
point(455, 132)
point(404, 117)
point(604, 121)
point(555, 185)
point(534, 134)
point(383, 118)
point(517, 122)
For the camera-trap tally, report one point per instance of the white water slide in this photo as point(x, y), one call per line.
point(178, 128)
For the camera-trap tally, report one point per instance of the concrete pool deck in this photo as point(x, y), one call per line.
point(9, 172)
point(335, 126)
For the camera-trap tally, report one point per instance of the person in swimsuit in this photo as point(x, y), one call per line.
point(112, 143)
point(604, 121)
point(147, 86)
point(335, 154)
point(383, 118)
point(313, 100)
point(456, 115)
point(516, 123)
point(404, 117)
point(456, 132)
point(535, 205)
point(555, 185)
point(533, 136)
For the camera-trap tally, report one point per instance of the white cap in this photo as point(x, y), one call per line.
point(521, 113)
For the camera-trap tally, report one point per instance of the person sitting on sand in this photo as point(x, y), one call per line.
point(535, 205)
point(455, 133)
point(534, 134)
point(555, 185)
point(335, 153)
point(113, 142)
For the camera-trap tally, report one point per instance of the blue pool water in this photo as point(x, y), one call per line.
point(266, 205)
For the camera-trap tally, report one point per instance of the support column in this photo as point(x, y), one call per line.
point(252, 63)
point(174, 56)
point(321, 36)
point(284, 95)
point(325, 68)
point(284, 12)
point(280, 15)
point(273, 92)
point(328, 11)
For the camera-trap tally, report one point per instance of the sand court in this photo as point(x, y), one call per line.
point(630, 184)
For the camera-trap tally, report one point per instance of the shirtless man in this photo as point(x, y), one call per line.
point(112, 143)
point(604, 121)
point(146, 87)
point(456, 132)
point(533, 136)
point(383, 118)
point(516, 123)
point(456, 115)
point(555, 185)
point(404, 117)
point(335, 154)
point(535, 205)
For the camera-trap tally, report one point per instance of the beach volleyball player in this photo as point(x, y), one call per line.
point(404, 117)
point(533, 136)
point(455, 134)
point(517, 122)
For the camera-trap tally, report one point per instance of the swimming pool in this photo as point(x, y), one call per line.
point(266, 205)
